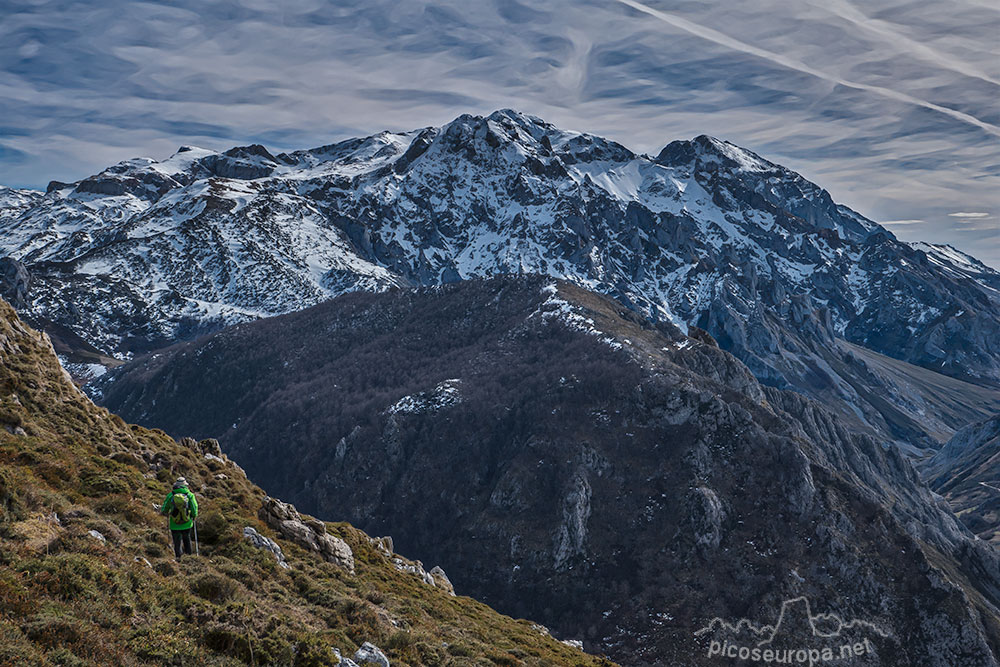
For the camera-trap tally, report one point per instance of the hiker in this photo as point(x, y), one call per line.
point(182, 508)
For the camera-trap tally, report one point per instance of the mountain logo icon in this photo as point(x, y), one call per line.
point(798, 636)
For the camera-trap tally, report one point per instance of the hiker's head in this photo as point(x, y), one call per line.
point(180, 483)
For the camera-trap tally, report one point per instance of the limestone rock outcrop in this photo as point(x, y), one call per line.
point(310, 534)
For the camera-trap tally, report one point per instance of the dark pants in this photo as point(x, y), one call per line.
point(179, 537)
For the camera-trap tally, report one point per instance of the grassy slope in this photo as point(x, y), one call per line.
point(68, 598)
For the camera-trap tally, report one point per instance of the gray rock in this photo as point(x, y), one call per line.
point(706, 515)
point(210, 446)
point(369, 653)
point(383, 544)
point(415, 568)
point(336, 551)
point(572, 533)
point(284, 518)
point(435, 577)
point(441, 579)
point(341, 660)
point(15, 281)
point(265, 543)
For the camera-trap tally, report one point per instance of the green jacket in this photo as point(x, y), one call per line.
point(168, 506)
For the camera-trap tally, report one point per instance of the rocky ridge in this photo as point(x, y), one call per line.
point(705, 233)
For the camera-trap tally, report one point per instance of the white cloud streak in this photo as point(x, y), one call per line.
point(784, 61)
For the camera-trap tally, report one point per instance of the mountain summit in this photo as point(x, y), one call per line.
point(808, 293)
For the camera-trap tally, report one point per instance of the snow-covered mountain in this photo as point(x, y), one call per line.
point(704, 234)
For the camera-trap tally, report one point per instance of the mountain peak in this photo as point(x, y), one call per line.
point(708, 149)
point(251, 151)
point(519, 117)
point(704, 228)
point(527, 136)
point(190, 152)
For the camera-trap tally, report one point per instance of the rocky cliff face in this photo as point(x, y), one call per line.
point(571, 461)
point(704, 234)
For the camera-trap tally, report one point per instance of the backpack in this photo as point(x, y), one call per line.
point(181, 513)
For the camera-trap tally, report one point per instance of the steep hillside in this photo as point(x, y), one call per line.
point(705, 234)
point(568, 460)
point(967, 472)
point(921, 400)
point(87, 577)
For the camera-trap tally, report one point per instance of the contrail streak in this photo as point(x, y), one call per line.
point(848, 12)
point(725, 40)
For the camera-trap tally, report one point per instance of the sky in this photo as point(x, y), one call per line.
point(891, 105)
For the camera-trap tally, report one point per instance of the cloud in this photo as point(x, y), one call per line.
point(902, 222)
point(988, 232)
point(457, 100)
point(968, 215)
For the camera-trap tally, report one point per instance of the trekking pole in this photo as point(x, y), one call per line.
point(196, 552)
